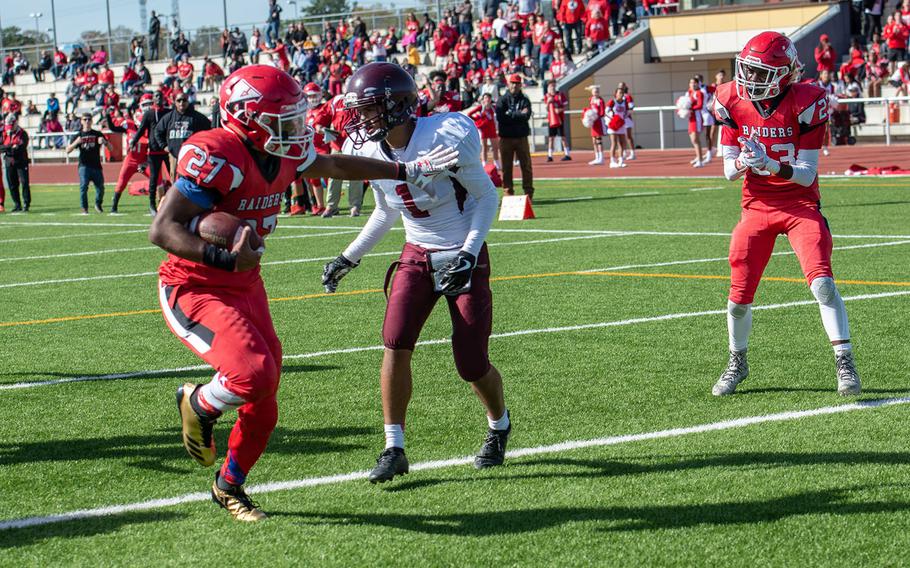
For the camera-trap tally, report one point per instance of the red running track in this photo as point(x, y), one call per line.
point(647, 163)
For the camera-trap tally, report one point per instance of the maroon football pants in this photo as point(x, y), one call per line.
point(412, 299)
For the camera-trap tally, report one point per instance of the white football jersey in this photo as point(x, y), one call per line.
point(453, 210)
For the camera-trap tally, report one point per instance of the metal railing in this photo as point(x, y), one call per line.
point(541, 121)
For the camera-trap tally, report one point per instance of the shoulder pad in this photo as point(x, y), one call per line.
point(810, 103)
point(215, 159)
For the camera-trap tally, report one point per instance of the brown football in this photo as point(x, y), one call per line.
point(222, 229)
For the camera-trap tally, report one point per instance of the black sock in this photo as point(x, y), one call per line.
point(224, 485)
point(116, 200)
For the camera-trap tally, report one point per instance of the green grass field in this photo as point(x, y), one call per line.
point(89, 369)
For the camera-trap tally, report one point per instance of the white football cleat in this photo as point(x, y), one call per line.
point(631, 155)
point(706, 158)
point(621, 163)
point(597, 162)
point(825, 151)
point(737, 370)
point(698, 164)
point(848, 383)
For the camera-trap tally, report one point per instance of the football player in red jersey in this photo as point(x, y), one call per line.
point(213, 298)
point(137, 155)
point(772, 131)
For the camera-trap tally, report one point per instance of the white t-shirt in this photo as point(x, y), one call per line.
point(454, 210)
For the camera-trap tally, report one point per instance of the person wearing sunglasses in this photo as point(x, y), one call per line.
point(176, 126)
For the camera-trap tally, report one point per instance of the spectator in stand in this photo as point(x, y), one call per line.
point(52, 126)
point(52, 104)
point(572, 14)
point(145, 77)
point(280, 52)
point(697, 98)
point(225, 42)
point(905, 12)
point(72, 123)
point(490, 8)
point(465, 13)
point(857, 110)
point(876, 72)
point(427, 29)
point(185, 69)
point(547, 48)
point(89, 141)
point(562, 66)
point(170, 74)
point(274, 22)
point(31, 109)
point(896, 34)
point(215, 113)
point(90, 83)
point(9, 74)
point(628, 17)
point(20, 63)
point(99, 58)
point(856, 66)
point(11, 106)
point(557, 103)
point(130, 78)
point(180, 46)
point(176, 126)
point(597, 31)
point(484, 116)
point(411, 31)
point(613, 11)
point(901, 78)
point(255, 46)
point(825, 56)
point(490, 87)
point(514, 38)
point(59, 66)
point(213, 74)
point(44, 64)
point(513, 115)
point(339, 71)
point(106, 77)
point(108, 99)
point(154, 36)
point(872, 17)
point(15, 160)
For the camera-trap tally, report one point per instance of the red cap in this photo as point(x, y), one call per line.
point(514, 78)
point(311, 88)
point(824, 37)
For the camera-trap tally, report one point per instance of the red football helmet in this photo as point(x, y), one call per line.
point(765, 66)
point(266, 106)
point(313, 95)
point(384, 95)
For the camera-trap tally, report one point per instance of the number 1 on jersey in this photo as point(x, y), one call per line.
point(404, 192)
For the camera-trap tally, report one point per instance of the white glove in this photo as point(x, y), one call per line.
point(328, 136)
point(427, 166)
point(755, 157)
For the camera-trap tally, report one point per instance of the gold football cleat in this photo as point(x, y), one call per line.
point(237, 503)
point(197, 432)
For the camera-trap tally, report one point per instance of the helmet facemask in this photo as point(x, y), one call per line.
point(757, 81)
point(376, 116)
point(288, 135)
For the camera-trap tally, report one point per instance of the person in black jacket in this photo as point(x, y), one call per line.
point(513, 113)
point(154, 36)
point(15, 158)
point(176, 126)
point(157, 153)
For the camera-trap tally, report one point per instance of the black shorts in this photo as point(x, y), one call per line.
point(557, 130)
point(897, 54)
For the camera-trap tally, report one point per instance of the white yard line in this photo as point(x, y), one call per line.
point(74, 236)
point(73, 254)
point(705, 188)
point(564, 199)
point(567, 446)
point(521, 332)
point(635, 193)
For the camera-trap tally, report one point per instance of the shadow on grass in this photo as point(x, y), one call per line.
point(204, 374)
point(619, 518)
point(866, 204)
point(163, 451)
point(14, 538)
point(760, 390)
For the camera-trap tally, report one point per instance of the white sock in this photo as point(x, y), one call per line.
point(501, 424)
point(215, 394)
point(739, 325)
point(549, 152)
point(565, 150)
point(842, 348)
point(394, 436)
point(834, 313)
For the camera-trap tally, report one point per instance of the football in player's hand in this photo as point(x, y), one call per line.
point(223, 229)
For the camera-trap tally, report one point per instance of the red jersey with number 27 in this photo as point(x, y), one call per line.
point(797, 123)
point(219, 161)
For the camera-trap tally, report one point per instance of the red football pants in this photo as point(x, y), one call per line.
point(232, 331)
point(753, 242)
point(129, 168)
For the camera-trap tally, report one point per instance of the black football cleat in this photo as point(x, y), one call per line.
point(493, 450)
point(391, 462)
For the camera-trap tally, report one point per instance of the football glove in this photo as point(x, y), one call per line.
point(436, 160)
point(455, 275)
point(755, 156)
point(335, 271)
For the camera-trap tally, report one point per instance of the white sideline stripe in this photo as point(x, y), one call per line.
point(720, 258)
point(566, 446)
point(72, 254)
point(705, 188)
point(580, 327)
point(77, 235)
point(58, 224)
point(79, 279)
point(641, 193)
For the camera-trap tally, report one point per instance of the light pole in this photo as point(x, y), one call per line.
point(37, 16)
point(224, 9)
point(296, 9)
point(110, 53)
point(54, 24)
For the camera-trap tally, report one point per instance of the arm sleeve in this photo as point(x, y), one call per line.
point(379, 223)
point(471, 177)
point(805, 167)
point(730, 154)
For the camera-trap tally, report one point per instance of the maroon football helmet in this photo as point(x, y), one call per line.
point(384, 96)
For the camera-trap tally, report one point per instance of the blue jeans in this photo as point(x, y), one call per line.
point(96, 176)
point(546, 59)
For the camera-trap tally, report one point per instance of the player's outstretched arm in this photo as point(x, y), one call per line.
point(169, 231)
point(340, 166)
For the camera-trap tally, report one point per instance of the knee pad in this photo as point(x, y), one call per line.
point(738, 311)
point(824, 289)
